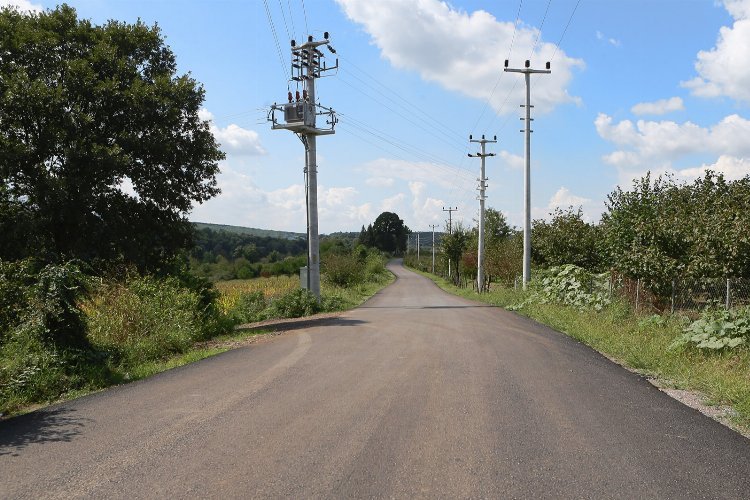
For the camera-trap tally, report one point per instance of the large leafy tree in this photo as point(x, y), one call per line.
point(389, 233)
point(663, 230)
point(102, 152)
point(566, 239)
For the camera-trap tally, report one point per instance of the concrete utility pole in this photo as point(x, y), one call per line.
point(527, 71)
point(450, 231)
point(450, 221)
point(417, 246)
point(482, 187)
point(300, 116)
point(433, 226)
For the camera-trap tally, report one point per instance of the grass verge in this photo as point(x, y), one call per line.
point(641, 344)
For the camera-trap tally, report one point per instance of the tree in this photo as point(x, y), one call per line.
point(496, 226)
point(103, 152)
point(389, 233)
point(454, 244)
point(566, 239)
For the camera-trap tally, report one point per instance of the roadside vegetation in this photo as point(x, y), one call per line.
point(103, 279)
point(584, 280)
point(66, 332)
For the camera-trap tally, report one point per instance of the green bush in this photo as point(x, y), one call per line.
point(248, 308)
point(145, 319)
point(295, 304)
point(716, 330)
point(44, 350)
point(343, 269)
point(569, 285)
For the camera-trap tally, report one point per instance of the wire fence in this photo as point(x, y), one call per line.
point(685, 295)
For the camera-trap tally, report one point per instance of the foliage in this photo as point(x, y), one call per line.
point(230, 292)
point(566, 239)
point(44, 350)
point(662, 229)
point(343, 269)
point(144, 319)
point(248, 308)
point(572, 286)
point(453, 246)
point(717, 329)
point(388, 234)
point(496, 228)
point(297, 303)
point(103, 150)
point(504, 259)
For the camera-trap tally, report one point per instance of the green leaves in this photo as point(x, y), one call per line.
point(662, 230)
point(716, 330)
point(84, 109)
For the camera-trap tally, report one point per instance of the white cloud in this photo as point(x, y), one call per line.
point(379, 182)
point(22, 5)
point(733, 168)
point(612, 41)
point(418, 171)
point(233, 139)
point(723, 70)
point(648, 140)
point(513, 161)
point(656, 145)
point(393, 204)
point(243, 203)
point(563, 198)
point(660, 107)
point(463, 51)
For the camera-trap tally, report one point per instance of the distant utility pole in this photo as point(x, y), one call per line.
point(482, 187)
point(433, 226)
point(527, 71)
point(450, 231)
point(417, 247)
point(300, 117)
point(450, 212)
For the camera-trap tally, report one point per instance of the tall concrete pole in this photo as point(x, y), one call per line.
point(450, 231)
point(433, 226)
point(482, 197)
point(527, 71)
point(527, 188)
point(300, 117)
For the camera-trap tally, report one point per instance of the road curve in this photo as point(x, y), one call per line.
point(416, 394)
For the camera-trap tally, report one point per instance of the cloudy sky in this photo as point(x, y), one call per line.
point(636, 86)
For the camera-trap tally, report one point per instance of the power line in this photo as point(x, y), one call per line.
point(497, 82)
point(565, 30)
point(539, 32)
point(283, 16)
point(275, 38)
point(304, 11)
point(396, 112)
point(291, 16)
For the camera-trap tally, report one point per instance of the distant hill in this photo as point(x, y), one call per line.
point(286, 235)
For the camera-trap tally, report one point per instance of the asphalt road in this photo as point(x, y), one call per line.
point(417, 394)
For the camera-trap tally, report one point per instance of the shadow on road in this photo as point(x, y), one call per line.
point(298, 324)
point(426, 307)
point(43, 426)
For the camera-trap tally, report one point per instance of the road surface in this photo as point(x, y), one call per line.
point(417, 394)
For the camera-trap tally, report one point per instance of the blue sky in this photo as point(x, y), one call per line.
point(636, 85)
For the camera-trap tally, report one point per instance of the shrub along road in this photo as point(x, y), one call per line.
point(415, 394)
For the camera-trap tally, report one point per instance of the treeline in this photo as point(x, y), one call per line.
point(223, 255)
point(658, 231)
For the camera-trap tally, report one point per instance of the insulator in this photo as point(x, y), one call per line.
point(304, 94)
point(297, 95)
point(289, 96)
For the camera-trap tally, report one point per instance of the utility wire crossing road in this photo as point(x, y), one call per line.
point(417, 394)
